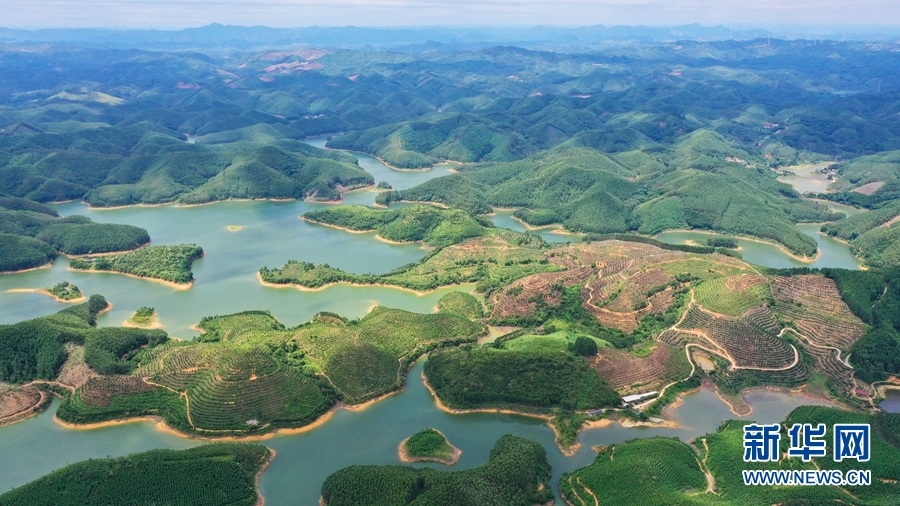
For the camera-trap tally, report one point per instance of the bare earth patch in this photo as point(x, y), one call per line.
point(74, 371)
point(869, 188)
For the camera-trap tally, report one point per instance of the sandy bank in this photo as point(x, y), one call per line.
point(45, 266)
point(177, 286)
point(358, 285)
point(154, 323)
point(47, 293)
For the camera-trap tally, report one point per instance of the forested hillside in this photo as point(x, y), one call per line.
point(631, 138)
point(32, 235)
point(34, 349)
point(517, 474)
point(693, 186)
point(223, 474)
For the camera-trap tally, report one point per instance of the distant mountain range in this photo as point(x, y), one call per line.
point(415, 39)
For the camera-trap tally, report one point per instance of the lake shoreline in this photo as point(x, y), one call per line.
point(46, 292)
point(803, 259)
point(171, 284)
point(358, 285)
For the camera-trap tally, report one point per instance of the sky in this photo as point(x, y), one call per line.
point(173, 14)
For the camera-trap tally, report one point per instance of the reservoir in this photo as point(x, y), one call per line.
point(369, 436)
point(891, 402)
point(239, 238)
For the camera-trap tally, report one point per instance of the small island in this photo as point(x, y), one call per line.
point(145, 318)
point(429, 445)
point(64, 292)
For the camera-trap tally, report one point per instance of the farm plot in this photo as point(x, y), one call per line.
point(517, 299)
point(633, 295)
point(626, 322)
point(705, 267)
point(735, 380)
point(238, 389)
point(762, 317)
point(626, 372)
point(99, 390)
point(746, 345)
point(733, 295)
point(815, 307)
point(16, 402)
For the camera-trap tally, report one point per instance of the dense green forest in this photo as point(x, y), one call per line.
point(428, 445)
point(588, 191)
point(516, 474)
point(213, 474)
point(431, 225)
point(634, 138)
point(32, 235)
point(476, 377)
point(145, 164)
point(873, 296)
point(34, 349)
point(168, 263)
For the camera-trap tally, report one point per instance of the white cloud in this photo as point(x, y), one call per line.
point(184, 13)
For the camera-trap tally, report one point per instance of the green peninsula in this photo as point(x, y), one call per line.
point(164, 263)
point(223, 474)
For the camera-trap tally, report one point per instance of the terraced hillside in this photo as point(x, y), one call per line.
point(652, 472)
point(628, 373)
point(814, 305)
point(247, 373)
point(745, 345)
point(733, 295)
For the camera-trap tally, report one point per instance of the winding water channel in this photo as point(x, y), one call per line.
point(271, 234)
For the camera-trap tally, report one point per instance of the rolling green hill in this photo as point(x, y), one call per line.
point(34, 349)
point(433, 226)
point(221, 473)
point(32, 235)
point(697, 187)
point(138, 164)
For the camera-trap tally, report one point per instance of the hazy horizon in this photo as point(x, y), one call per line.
point(171, 15)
